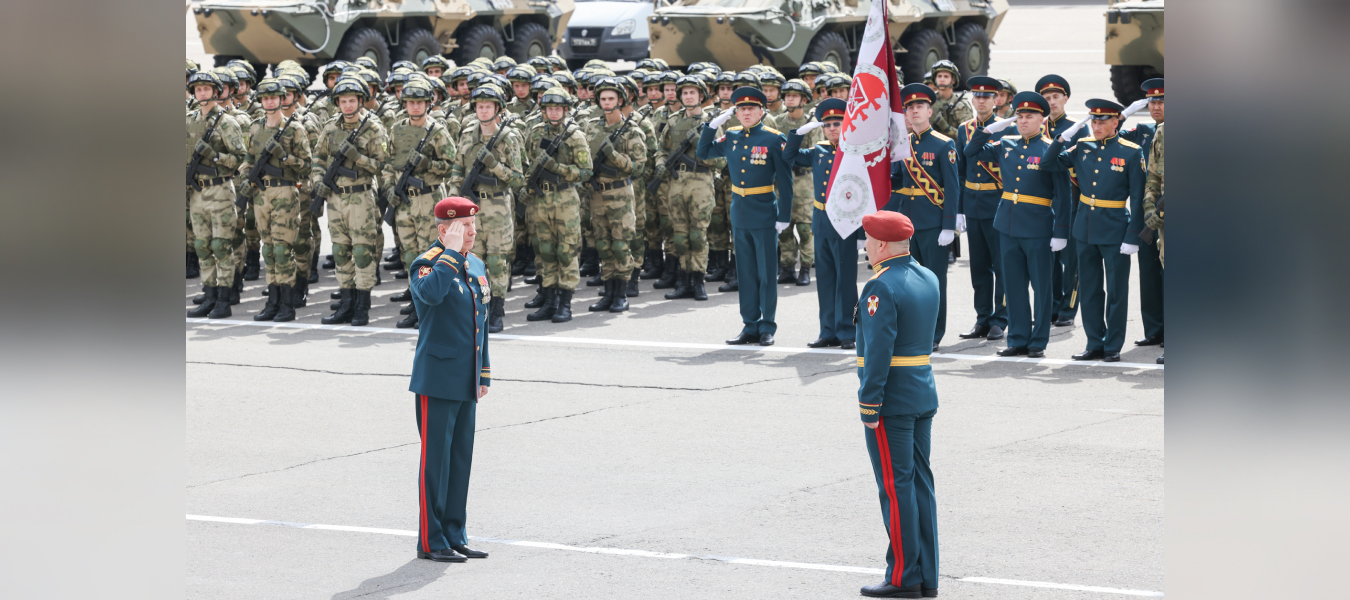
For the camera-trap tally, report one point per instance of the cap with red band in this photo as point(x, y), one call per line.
point(888, 226)
point(455, 207)
point(748, 96)
point(917, 92)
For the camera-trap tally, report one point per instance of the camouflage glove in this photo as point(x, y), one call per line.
point(349, 152)
point(552, 166)
point(1152, 220)
point(415, 158)
point(605, 150)
point(489, 160)
point(205, 149)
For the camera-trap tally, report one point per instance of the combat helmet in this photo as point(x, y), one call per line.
point(748, 78)
point(694, 82)
point(367, 62)
point(948, 67)
point(435, 60)
point(613, 84)
point(503, 64)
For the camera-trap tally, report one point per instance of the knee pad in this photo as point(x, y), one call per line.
point(715, 220)
point(698, 242)
point(266, 251)
point(602, 247)
point(547, 252)
point(496, 264)
point(282, 251)
point(619, 249)
point(363, 255)
point(681, 243)
point(202, 248)
point(220, 249)
point(342, 254)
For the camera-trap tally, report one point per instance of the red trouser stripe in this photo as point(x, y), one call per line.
point(888, 482)
point(422, 477)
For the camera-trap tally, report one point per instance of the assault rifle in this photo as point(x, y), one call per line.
point(475, 175)
point(550, 148)
point(406, 177)
point(614, 137)
point(262, 166)
point(675, 157)
point(195, 166)
point(335, 168)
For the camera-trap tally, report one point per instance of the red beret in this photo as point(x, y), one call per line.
point(888, 226)
point(455, 207)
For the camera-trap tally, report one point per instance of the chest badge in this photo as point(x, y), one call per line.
point(872, 303)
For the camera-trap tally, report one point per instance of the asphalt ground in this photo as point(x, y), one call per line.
point(635, 456)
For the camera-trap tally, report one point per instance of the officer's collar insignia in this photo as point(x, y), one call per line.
point(432, 253)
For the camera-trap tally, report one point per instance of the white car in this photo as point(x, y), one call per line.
point(609, 30)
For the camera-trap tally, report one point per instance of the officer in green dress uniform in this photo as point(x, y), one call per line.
point(1032, 220)
point(451, 371)
point(981, 192)
point(761, 206)
point(1107, 225)
point(927, 190)
point(897, 398)
point(1055, 90)
point(836, 257)
point(1150, 265)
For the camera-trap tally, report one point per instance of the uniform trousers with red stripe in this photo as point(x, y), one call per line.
point(446, 428)
point(899, 449)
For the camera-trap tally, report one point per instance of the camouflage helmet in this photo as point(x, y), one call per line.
point(454, 77)
point(928, 79)
point(249, 74)
point(540, 64)
point(555, 96)
point(395, 79)
point(475, 79)
point(204, 78)
point(714, 67)
point(291, 83)
point(839, 81)
point(191, 67)
point(663, 78)
point(698, 66)
point(647, 64)
point(482, 62)
point(595, 63)
point(630, 83)
point(403, 64)
point(949, 67)
point(351, 86)
point(810, 68)
point(435, 60)
point(418, 90)
point(770, 78)
point(298, 73)
point(796, 86)
point(288, 64)
point(662, 64)
point(335, 67)
point(439, 86)
point(226, 76)
point(367, 62)
point(488, 92)
point(503, 63)
point(418, 76)
point(566, 80)
point(727, 78)
point(541, 83)
point(1008, 87)
point(748, 79)
point(521, 73)
point(693, 82)
point(372, 80)
point(613, 84)
point(500, 80)
point(828, 66)
point(557, 63)
point(270, 87)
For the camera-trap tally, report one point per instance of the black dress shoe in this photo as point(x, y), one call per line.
point(977, 331)
point(847, 344)
point(995, 333)
point(766, 339)
point(407, 310)
point(935, 345)
point(1013, 352)
point(930, 593)
point(446, 555)
point(1160, 359)
point(1062, 322)
point(822, 343)
point(1089, 355)
point(1035, 352)
point(743, 338)
point(469, 552)
point(1152, 340)
point(400, 275)
point(1111, 357)
point(886, 590)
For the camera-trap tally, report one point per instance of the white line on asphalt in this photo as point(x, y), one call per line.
point(667, 555)
point(1052, 51)
point(679, 345)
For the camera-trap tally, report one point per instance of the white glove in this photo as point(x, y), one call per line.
point(1133, 108)
point(722, 118)
point(1068, 134)
point(1001, 124)
point(960, 223)
point(946, 237)
point(1057, 244)
point(862, 245)
point(809, 127)
point(1128, 249)
point(781, 227)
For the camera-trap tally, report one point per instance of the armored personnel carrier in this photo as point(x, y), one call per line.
point(787, 33)
point(1134, 45)
point(315, 32)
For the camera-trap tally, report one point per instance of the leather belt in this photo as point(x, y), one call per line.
point(489, 194)
point(1094, 203)
point(613, 185)
point(270, 183)
point(820, 205)
point(213, 181)
point(352, 189)
point(983, 187)
point(1028, 199)
point(763, 189)
point(905, 361)
point(545, 186)
point(694, 169)
point(414, 192)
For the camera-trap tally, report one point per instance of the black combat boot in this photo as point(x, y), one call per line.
point(538, 299)
point(314, 268)
point(564, 303)
point(531, 266)
point(606, 300)
point(328, 262)
point(361, 313)
point(518, 265)
point(199, 298)
point(194, 269)
point(285, 308)
point(221, 308)
point(547, 306)
point(696, 289)
point(346, 306)
point(620, 298)
point(682, 287)
point(410, 321)
point(657, 266)
point(631, 289)
point(804, 275)
point(407, 310)
point(590, 262)
point(646, 261)
point(496, 311)
point(377, 277)
point(730, 285)
point(208, 301)
point(669, 271)
point(394, 265)
point(270, 309)
point(267, 290)
point(403, 296)
point(717, 266)
point(251, 265)
point(237, 287)
point(595, 281)
point(300, 293)
point(336, 295)
point(532, 278)
point(785, 275)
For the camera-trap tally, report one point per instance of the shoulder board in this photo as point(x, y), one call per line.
point(883, 270)
point(1047, 139)
point(824, 143)
point(736, 128)
point(432, 253)
point(1088, 139)
point(941, 137)
point(773, 131)
point(1129, 144)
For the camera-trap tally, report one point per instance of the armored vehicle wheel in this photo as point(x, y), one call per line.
point(829, 45)
point(416, 46)
point(364, 41)
point(481, 40)
point(1126, 79)
point(531, 41)
point(923, 48)
point(970, 52)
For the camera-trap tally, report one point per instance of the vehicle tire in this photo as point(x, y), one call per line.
point(416, 46)
point(531, 41)
point(480, 40)
point(1126, 79)
point(923, 48)
point(970, 52)
point(829, 45)
point(364, 41)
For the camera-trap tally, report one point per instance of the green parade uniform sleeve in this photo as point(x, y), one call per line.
point(876, 334)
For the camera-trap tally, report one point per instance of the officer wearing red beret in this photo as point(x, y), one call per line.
point(897, 398)
point(450, 373)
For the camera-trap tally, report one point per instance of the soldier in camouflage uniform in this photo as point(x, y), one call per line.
point(610, 193)
point(413, 219)
point(1153, 192)
point(212, 207)
point(950, 109)
point(795, 241)
point(239, 242)
point(557, 206)
point(308, 235)
point(689, 189)
point(520, 77)
point(353, 218)
point(242, 102)
point(277, 205)
point(501, 172)
point(638, 244)
point(323, 107)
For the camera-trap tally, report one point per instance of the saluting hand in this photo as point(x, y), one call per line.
point(722, 118)
point(809, 127)
point(453, 238)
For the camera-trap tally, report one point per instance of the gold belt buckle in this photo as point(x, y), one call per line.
point(546, 186)
point(1014, 197)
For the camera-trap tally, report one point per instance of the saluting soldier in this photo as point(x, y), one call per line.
point(1150, 264)
point(1111, 178)
point(837, 257)
point(1055, 90)
point(761, 207)
point(929, 193)
point(1032, 220)
point(897, 399)
point(981, 193)
point(451, 372)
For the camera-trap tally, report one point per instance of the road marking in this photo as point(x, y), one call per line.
point(667, 555)
point(680, 345)
point(1052, 51)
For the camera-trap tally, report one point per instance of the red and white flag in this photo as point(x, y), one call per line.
point(873, 134)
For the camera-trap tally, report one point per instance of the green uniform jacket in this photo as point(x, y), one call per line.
point(896, 315)
point(451, 294)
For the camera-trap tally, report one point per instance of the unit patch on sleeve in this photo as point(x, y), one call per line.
point(872, 302)
point(423, 271)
